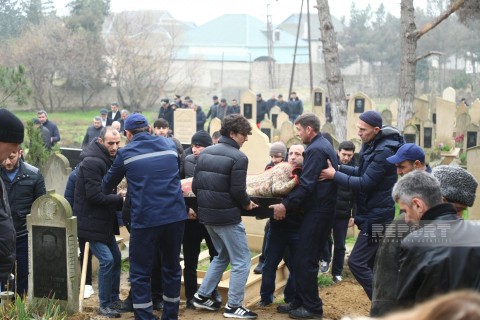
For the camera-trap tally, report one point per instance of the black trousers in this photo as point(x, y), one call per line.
point(194, 233)
point(361, 261)
point(314, 232)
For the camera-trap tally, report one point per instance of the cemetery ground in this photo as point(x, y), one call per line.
point(344, 298)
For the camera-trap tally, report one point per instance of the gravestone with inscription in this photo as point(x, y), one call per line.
point(427, 140)
point(185, 124)
point(387, 117)
point(266, 127)
point(471, 136)
point(53, 252)
point(274, 112)
point(410, 134)
point(319, 102)
point(248, 105)
point(56, 172)
point(287, 131)
point(358, 104)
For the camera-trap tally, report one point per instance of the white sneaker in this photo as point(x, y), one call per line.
point(87, 293)
point(337, 279)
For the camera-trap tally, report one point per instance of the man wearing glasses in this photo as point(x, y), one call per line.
point(96, 214)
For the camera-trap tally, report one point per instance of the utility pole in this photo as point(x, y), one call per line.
point(271, 67)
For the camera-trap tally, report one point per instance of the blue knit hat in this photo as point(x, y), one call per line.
point(372, 118)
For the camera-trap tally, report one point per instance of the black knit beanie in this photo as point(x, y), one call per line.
point(11, 128)
point(372, 118)
point(202, 138)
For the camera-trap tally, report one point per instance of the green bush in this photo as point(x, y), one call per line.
point(324, 280)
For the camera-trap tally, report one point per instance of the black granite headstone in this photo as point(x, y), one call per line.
point(274, 119)
point(427, 137)
point(317, 102)
point(73, 156)
point(248, 110)
point(49, 262)
point(267, 131)
point(410, 137)
point(472, 139)
point(359, 105)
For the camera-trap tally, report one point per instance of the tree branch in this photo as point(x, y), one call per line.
point(428, 54)
point(432, 24)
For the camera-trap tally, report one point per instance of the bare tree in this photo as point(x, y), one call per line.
point(140, 57)
point(44, 51)
point(336, 92)
point(408, 59)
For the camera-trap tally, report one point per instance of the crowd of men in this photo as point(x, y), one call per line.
point(427, 250)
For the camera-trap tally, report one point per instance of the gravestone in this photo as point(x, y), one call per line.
point(72, 155)
point(248, 105)
point(319, 102)
point(461, 108)
point(281, 119)
point(274, 112)
point(410, 134)
point(185, 124)
point(470, 139)
point(475, 112)
point(215, 125)
point(257, 150)
point(293, 140)
point(393, 107)
point(358, 104)
point(53, 252)
point(266, 127)
point(56, 172)
point(449, 94)
point(428, 134)
point(473, 154)
point(387, 117)
point(461, 124)
point(329, 127)
point(421, 108)
point(445, 120)
point(287, 131)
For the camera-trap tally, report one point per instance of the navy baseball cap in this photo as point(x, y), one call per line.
point(409, 151)
point(135, 121)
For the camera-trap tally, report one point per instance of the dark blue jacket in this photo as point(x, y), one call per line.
point(54, 133)
point(151, 166)
point(373, 179)
point(220, 183)
point(7, 236)
point(311, 194)
point(69, 193)
point(27, 186)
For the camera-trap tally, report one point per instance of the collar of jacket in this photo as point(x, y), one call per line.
point(444, 211)
point(229, 141)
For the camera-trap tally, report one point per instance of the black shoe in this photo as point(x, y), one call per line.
point(263, 303)
point(157, 305)
point(238, 312)
point(122, 306)
point(286, 308)
point(302, 313)
point(205, 303)
point(217, 296)
point(109, 313)
point(190, 304)
point(259, 268)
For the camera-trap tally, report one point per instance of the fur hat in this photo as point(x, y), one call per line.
point(457, 184)
point(202, 138)
point(278, 149)
point(11, 128)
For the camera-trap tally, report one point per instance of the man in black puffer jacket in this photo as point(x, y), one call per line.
point(219, 182)
point(24, 184)
point(373, 181)
point(96, 214)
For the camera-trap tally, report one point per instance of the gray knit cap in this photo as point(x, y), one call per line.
point(278, 149)
point(457, 184)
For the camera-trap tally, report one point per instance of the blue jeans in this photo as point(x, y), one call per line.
point(231, 244)
point(278, 239)
point(109, 271)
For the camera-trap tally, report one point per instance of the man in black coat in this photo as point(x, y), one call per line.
point(262, 109)
point(52, 127)
point(93, 131)
point(114, 114)
point(24, 184)
point(318, 200)
point(97, 220)
point(12, 132)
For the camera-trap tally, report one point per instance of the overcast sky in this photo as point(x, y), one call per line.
point(201, 11)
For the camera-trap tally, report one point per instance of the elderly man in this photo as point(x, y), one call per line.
point(11, 136)
point(24, 184)
point(443, 253)
point(106, 121)
point(52, 127)
point(123, 115)
point(373, 181)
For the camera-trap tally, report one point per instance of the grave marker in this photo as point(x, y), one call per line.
point(248, 105)
point(257, 150)
point(185, 124)
point(473, 154)
point(53, 252)
point(56, 172)
point(319, 102)
point(358, 104)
